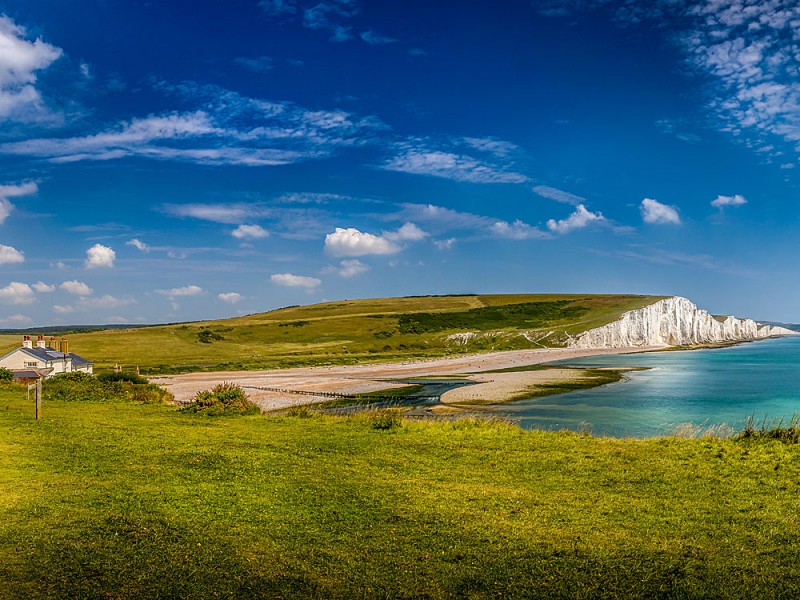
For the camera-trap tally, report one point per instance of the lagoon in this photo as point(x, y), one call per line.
point(701, 387)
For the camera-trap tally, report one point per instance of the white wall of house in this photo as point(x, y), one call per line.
point(19, 359)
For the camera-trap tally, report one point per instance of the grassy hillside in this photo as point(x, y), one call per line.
point(119, 500)
point(354, 330)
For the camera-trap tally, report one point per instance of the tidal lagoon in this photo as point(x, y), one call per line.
point(701, 387)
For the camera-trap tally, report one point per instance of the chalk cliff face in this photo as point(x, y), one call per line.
point(673, 321)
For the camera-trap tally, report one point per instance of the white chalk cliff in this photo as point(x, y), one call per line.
point(673, 321)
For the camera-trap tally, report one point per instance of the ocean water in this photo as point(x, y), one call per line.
point(702, 387)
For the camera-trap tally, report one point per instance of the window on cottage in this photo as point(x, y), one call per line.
point(31, 364)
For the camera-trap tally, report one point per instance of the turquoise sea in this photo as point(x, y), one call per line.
point(708, 387)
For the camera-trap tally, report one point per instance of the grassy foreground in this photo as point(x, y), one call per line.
point(124, 500)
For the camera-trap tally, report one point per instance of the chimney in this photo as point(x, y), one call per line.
point(64, 345)
point(40, 342)
point(53, 342)
point(26, 341)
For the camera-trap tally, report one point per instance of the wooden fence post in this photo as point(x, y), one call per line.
point(38, 399)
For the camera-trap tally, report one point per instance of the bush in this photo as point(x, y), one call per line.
point(126, 377)
point(6, 375)
point(87, 388)
point(224, 398)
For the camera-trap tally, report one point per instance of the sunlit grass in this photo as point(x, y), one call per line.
point(125, 500)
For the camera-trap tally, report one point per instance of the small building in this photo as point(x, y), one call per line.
point(48, 360)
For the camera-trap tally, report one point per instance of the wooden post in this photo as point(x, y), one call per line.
point(38, 399)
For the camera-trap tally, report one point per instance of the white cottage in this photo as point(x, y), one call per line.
point(47, 360)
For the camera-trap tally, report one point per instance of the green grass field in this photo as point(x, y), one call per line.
point(125, 500)
point(352, 331)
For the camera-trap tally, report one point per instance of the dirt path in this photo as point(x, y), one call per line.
point(354, 379)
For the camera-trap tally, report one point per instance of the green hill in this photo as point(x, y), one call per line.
point(351, 331)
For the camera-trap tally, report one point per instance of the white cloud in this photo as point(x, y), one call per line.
point(352, 242)
point(20, 59)
point(138, 244)
point(189, 290)
point(558, 195)
point(655, 212)
point(375, 39)
point(44, 288)
point(76, 287)
point(518, 230)
point(63, 310)
point(228, 129)
point(18, 319)
point(216, 213)
point(289, 280)
point(231, 297)
point(748, 51)
point(348, 268)
point(498, 148)
point(103, 302)
point(449, 165)
point(10, 255)
point(249, 232)
point(278, 7)
point(17, 293)
point(445, 244)
point(100, 256)
point(259, 64)
point(722, 201)
point(577, 220)
point(407, 233)
point(13, 191)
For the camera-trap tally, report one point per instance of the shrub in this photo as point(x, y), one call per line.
point(85, 387)
point(126, 377)
point(223, 399)
point(386, 420)
point(6, 375)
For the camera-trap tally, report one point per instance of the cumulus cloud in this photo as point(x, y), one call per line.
point(44, 288)
point(230, 297)
point(290, 280)
point(655, 212)
point(138, 244)
point(99, 256)
point(577, 220)
point(352, 242)
point(243, 232)
point(20, 60)
point(188, 290)
point(518, 230)
point(77, 288)
point(17, 293)
point(723, 201)
point(63, 310)
point(13, 191)
point(10, 255)
point(558, 195)
point(407, 233)
point(348, 268)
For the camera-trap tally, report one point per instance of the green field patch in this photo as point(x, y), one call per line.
point(126, 500)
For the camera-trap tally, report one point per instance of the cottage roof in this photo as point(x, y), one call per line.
point(48, 354)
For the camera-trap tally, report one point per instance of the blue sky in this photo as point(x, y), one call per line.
point(175, 160)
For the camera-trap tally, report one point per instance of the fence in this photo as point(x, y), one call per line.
point(35, 387)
